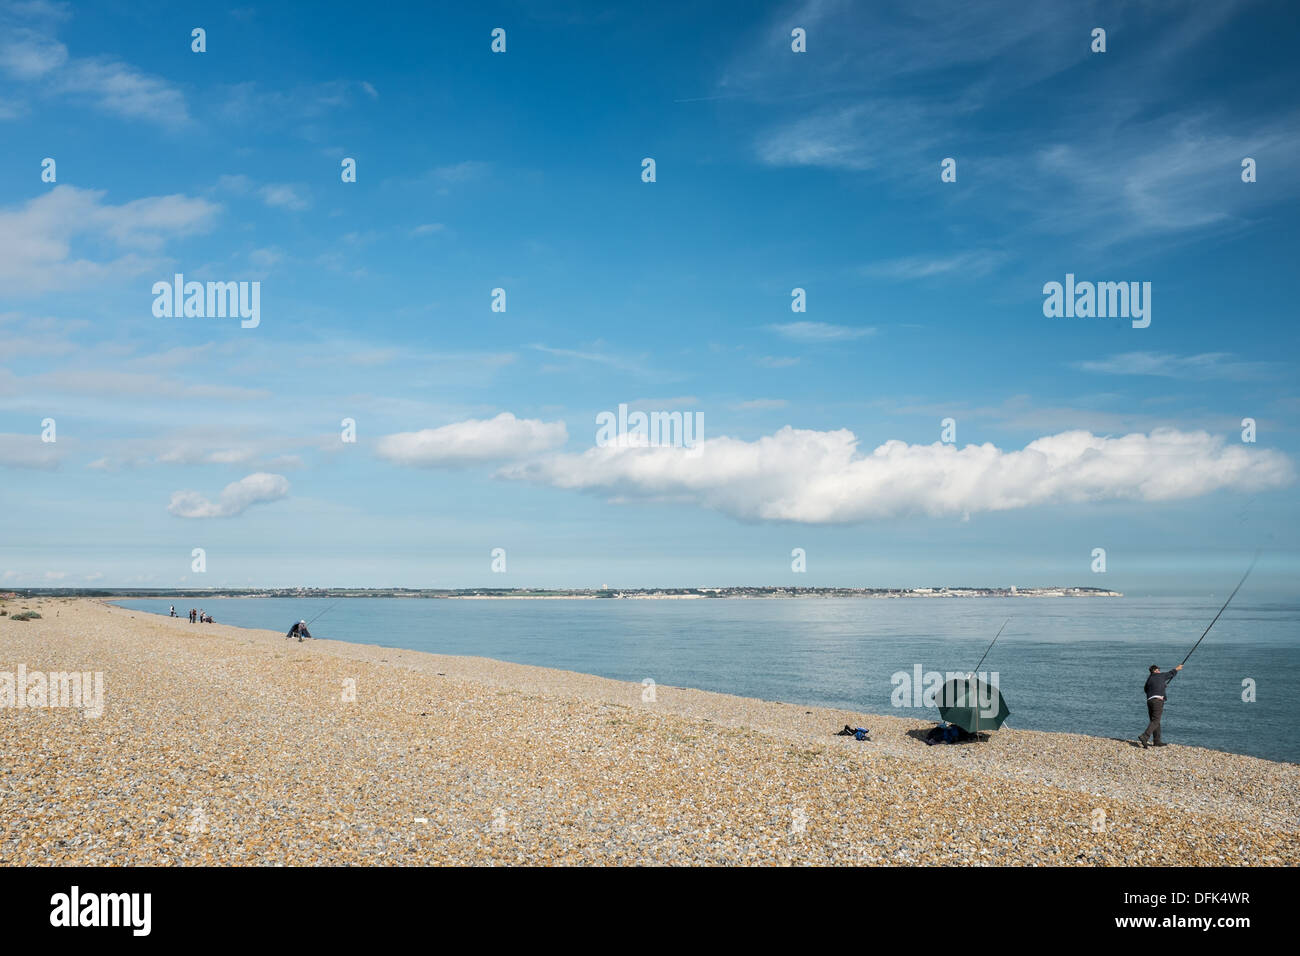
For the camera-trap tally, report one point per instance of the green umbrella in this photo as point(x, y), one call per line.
point(972, 704)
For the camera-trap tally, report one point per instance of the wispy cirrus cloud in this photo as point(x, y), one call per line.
point(285, 196)
point(236, 498)
point(33, 57)
point(27, 451)
point(27, 54)
point(37, 238)
point(1207, 365)
point(293, 196)
point(204, 444)
point(141, 384)
point(1111, 162)
point(661, 404)
point(619, 362)
point(820, 332)
point(970, 264)
point(834, 138)
point(445, 179)
point(250, 101)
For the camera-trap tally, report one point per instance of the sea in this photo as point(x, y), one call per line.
point(1062, 664)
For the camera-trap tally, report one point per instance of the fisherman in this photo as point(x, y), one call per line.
point(299, 630)
point(1155, 691)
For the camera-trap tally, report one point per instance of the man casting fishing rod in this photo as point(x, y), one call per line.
point(1157, 682)
point(1155, 691)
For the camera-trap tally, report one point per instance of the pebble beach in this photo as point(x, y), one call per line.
point(227, 746)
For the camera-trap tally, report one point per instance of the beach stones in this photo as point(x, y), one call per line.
point(234, 748)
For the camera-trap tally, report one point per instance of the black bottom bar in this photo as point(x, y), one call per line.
point(337, 906)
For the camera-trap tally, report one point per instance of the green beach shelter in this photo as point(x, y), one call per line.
point(972, 704)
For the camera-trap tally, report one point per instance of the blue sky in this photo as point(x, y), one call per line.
point(522, 170)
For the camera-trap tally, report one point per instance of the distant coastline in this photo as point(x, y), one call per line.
point(771, 592)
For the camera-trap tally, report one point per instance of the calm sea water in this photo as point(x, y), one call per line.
point(1064, 664)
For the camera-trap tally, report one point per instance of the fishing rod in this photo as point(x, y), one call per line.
point(309, 623)
point(994, 641)
point(1225, 606)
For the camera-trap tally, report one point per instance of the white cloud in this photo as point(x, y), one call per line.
point(462, 172)
point(27, 451)
point(285, 461)
point(1207, 365)
point(971, 264)
point(116, 384)
point(27, 54)
point(613, 361)
point(1112, 162)
point(238, 184)
point(819, 332)
point(120, 88)
point(36, 239)
point(235, 498)
point(220, 456)
point(284, 196)
point(30, 54)
point(663, 404)
point(475, 440)
point(42, 336)
point(818, 477)
point(835, 139)
point(199, 445)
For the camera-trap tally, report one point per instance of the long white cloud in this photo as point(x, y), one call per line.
point(820, 477)
point(235, 498)
point(477, 440)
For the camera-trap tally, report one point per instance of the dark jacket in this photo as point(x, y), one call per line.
point(1156, 683)
point(298, 630)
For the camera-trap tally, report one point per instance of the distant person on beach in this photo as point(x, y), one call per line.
point(299, 630)
point(192, 614)
point(173, 610)
point(1155, 691)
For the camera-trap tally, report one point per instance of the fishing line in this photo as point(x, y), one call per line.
point(994, 641)
point(1225, 606)
point(309, 623)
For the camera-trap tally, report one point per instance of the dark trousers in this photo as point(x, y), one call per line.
point(1155, 707)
